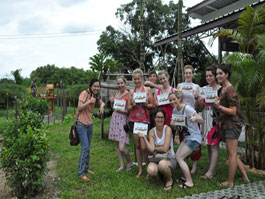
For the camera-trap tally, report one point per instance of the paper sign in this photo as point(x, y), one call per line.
point(204, 90)
point(119, 104)
point(210, 96)
point(179, 120)
point(162, 99)
point(187, 87)
point(139, 97)
point(140, 128)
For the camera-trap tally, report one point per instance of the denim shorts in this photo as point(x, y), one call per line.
point(193, 145)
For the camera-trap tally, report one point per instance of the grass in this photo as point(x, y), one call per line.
point(106, 183)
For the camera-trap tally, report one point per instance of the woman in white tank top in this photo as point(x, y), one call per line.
point(161, 140)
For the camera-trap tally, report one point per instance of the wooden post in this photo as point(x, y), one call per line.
point(61, 100)
point(58, 104)
point(16, 114)
point(6, 106)
point(102, 126)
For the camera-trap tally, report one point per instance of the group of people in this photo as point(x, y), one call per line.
point(219, 119)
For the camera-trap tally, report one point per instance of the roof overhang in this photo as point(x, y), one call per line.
point(223, 21)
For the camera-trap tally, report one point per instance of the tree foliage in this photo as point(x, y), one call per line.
point(160, 21)
point(101, 63)
point(50, 74)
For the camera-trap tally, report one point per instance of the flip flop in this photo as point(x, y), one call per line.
point(184, 186)
point(168, 187)
point(129, 168)
point(181, 180)
point(205, 177)
point(84, 178)
point(90, 171)
point(119, 169)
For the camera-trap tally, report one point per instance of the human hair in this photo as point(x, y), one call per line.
point(92, 81)
point(151, 73)
point(138, 71)
point(177, 93)
point(121, 77)
point(226, 69)
point(158, 110)
point(189, 67)
point(161, 72)
point(212, 69)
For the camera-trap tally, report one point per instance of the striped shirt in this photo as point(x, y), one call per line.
point(85, 115)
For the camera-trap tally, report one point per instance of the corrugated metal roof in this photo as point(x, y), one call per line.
point(217, 22)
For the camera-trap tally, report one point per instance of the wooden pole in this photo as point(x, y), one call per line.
point(180, 55)
point(6, 106)
point(58, 103)
point(102, 126)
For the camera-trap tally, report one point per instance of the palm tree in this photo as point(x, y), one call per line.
point(251, 23)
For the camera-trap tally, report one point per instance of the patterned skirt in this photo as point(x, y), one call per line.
point(116, 131)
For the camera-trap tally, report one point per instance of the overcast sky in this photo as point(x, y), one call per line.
point(35, 33)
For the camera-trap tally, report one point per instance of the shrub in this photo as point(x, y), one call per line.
point(24, 154)
point(34, 104)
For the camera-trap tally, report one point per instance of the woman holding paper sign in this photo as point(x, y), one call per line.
point(161, 96)
point(192, 135)
point(230, 123)
point(118, 120)
point(190, 95)
point(161, 141)
point(138, 108)
point(210, 127)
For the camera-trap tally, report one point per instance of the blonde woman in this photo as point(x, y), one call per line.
point(139, 112)
point(190, 95)
point(192, 136)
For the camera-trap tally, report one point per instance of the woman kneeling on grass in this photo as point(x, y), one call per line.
point(87, 100)
point(160, 141)
point(192, 137)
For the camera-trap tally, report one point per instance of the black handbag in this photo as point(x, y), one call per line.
point(73, 136)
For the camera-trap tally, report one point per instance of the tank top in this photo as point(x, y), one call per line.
point(161, 141)
point(167, 108)
point(188, 97)
point(139, 113)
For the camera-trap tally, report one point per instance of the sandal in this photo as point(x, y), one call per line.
point(129, 168)
point(90, 171)
point(168, 187)
point(119, 169)
point(181, 180)
point(184, 186)
point(84, 178)
point(205, 177)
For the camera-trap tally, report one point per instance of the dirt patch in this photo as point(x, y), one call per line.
point(50, 191)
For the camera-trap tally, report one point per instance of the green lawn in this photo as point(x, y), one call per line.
point(106, 183)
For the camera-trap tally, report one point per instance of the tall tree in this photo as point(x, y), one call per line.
point(160, 20)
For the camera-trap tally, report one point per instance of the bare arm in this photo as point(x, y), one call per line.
point(196, 118)
point(166, 145)
point(131, 102)
point(150, 145)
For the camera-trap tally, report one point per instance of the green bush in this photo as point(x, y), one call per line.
point(29, 103)
point(24, 154)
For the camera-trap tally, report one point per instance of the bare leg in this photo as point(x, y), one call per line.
point(213, 157)
point(120, 158)
point(231, 145)
point(164, 167)
point(183, 152)
point(125, 152)
point(144, 151)
point(242, 169)
point(152, 169)
point(138, 154)
point(194, 167)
